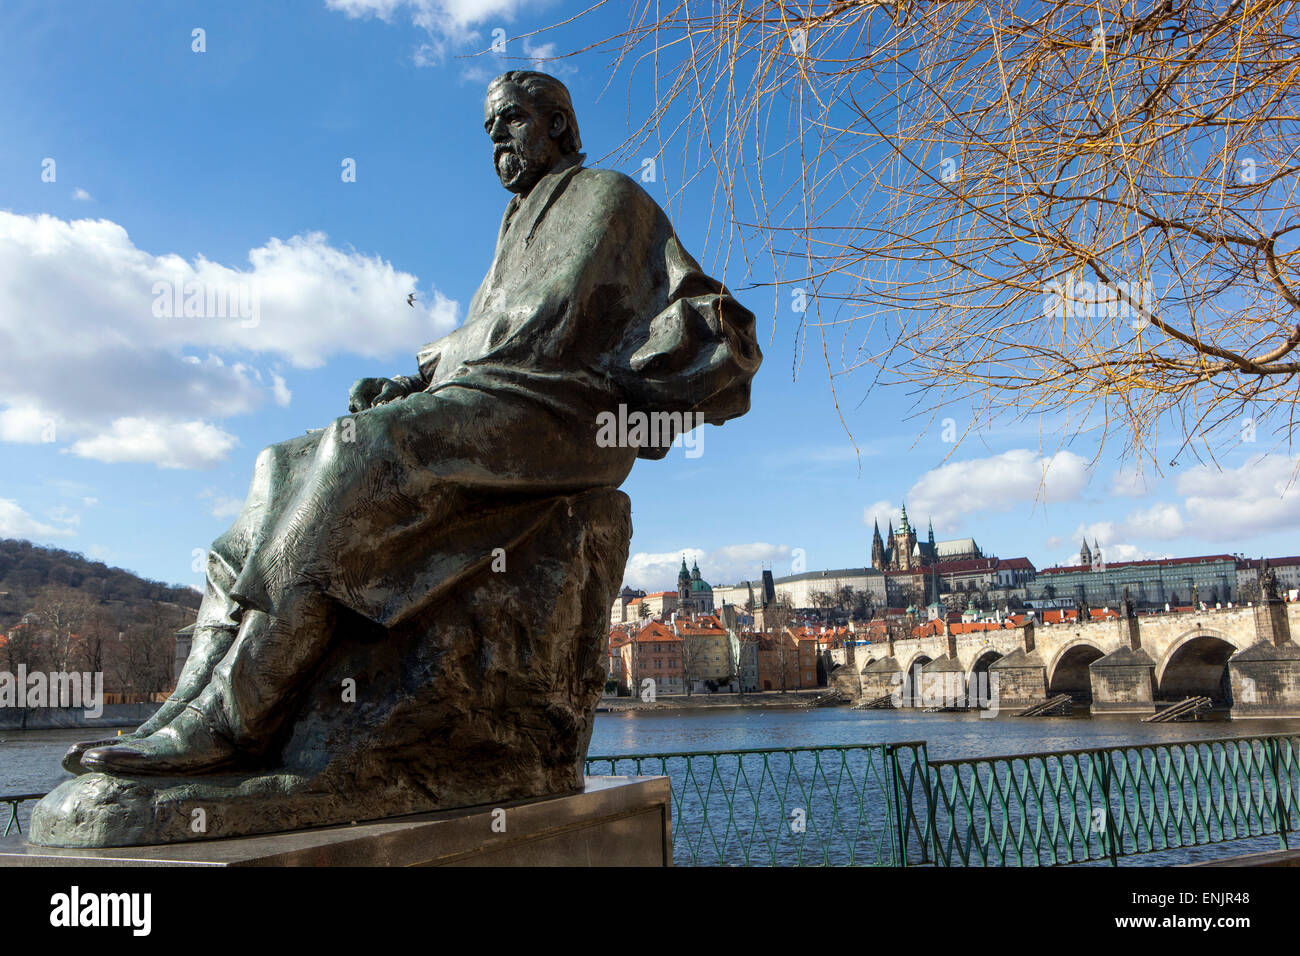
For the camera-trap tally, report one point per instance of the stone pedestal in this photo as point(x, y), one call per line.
point(1271, 622)
point(1265, 680)
point(1021, 679)
point(613, 821)
point(485, 696)
point(1123, 682)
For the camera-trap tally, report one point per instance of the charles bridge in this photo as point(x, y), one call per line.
point(1242, 658)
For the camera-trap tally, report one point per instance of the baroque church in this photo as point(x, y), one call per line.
point(694, 594)
point(904, 552)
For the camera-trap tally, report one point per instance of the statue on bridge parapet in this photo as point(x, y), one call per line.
point(1268, 592)
point(1127, 609)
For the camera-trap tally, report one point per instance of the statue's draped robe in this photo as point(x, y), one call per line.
point(590, 304)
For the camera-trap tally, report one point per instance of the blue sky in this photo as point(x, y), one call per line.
point(130, 436)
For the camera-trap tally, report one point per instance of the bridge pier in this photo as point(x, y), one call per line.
point(1123, 682)
point(882, 677)
point(1265, 681)
point(1020, 678)
point(1265, 677)
point(943, 684)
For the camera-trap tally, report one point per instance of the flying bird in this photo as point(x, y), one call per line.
point(410, 300)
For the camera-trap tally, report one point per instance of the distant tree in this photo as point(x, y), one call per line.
point(60, 612)
point(145, 661)
point(27, 645)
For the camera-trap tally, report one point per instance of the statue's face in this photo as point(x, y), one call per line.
point(523, 145)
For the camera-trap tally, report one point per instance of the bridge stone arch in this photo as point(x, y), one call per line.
point(1067, 672)
point(910, 674)
point(1195, 664)
point(984, 657)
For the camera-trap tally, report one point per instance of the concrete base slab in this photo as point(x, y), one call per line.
point(1267, 858)
point(613, 821)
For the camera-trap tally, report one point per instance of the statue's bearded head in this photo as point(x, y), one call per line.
point(530, 119)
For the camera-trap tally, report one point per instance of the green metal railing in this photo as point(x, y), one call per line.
point(890, 805)
point(1106, 803)
point(804, 806)
point(14, 801)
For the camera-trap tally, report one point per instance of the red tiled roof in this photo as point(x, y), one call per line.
point(1200, 559)
point(1253, 563)
point(1017, 564)
point(654, 631)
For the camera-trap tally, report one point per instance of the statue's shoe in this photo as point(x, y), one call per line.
point(188, 745)
point(169, 711)
point(72, 759)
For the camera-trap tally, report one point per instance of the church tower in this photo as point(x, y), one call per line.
point(877, 548)
point(904, 541)
point(683, 585)
point(1085, 554)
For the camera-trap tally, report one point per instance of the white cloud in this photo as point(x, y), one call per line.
point(165, 444)
point(724, 565)
point(1128, 483)
point(16, 523)
point(26, 424)
point(880, 513)
point(1159, 521)
point(1256, 498)
point(105, 349)
point(1099, 532)
point(81, 195)
point(62, 514)
point(996, 483)
point(432, 15)
point(281, 391)
point(447, 23)
point(1130, 552)
point(226, 507)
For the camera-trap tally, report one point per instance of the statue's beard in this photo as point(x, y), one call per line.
point(521, 165)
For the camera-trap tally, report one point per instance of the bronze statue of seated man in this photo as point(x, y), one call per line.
point(452, 545)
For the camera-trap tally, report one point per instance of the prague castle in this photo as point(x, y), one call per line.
point(905, 553)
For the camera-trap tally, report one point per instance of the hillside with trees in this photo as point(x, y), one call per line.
point(60, 611)
point(27, 569)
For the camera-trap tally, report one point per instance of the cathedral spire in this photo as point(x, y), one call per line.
point(877, 547)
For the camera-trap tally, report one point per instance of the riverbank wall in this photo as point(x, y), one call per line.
point(70, 718)
point(794, 698)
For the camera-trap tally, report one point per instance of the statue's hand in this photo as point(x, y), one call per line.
point(369, 392)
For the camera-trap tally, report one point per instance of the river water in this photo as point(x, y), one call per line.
point(29, 760)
